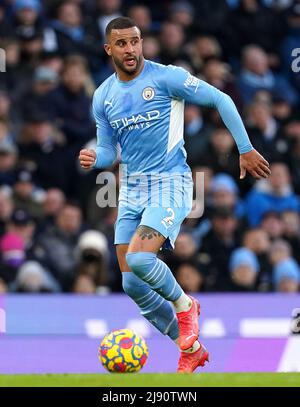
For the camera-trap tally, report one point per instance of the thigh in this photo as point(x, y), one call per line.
point(166, 216)
point(166, 221)
point(146, 239)
point(127, 221)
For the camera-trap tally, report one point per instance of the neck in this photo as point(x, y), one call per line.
point(123, 76)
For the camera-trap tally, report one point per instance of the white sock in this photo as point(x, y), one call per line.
point(193, 349)
point(183, 303)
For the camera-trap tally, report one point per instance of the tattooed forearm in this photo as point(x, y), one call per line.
point(147, 233)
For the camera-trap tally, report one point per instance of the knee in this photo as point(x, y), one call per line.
point(140, 261)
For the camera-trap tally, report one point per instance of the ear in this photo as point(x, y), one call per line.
point(107, 49)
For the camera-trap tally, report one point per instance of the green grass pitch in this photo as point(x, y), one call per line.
point(152, 380)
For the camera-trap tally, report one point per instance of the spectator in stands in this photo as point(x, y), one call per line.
point(58, 244)
point(27, 22)
point(33, 278)
point(182, 13)
point(196, 134)
point(141, 15)
point(37, 97)
point(218, 74)
point(253, 23)
point(210, 17)
point(12, 249)
point(42, 146)
point(189, 277)
point(107, 10)
point(172, 39)
point(287, 276)
point(272, 224)
point(93, 257)
point(202, 49)
point(151, 48)
point(265, 133)
point(185, 247)
point(25, 193)
point(220, 154)
point(274, 194)
point(70, 105)
point(244, 269)
point(8, 162)
point(29, 29)
point(22, 224)
point(225, 193)
point(217, 246)
point(258, 241)
point(53, 61)
point(14, 79)
point(279, 250)
point(31, 47)
point(53, 203)
point(68, 34)
point(256, 75)
point(185, 250)
point(282, 111)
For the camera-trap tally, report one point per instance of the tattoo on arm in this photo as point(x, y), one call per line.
point(147, 233)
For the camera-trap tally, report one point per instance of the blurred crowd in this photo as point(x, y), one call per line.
point(53, 235)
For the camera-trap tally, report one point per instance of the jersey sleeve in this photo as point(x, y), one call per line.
point(182, 85)
point(106, 150)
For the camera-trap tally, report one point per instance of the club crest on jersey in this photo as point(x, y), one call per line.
point(148, 93)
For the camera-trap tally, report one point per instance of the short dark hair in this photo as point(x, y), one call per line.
point(119, 23)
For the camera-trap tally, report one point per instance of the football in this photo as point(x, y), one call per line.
point(123, 351)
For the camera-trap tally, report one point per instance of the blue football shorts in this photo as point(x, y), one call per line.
point(161, 203)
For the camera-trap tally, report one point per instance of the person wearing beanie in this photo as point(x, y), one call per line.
point(12, 249)
point(286, 276)
point(225, 192)
point(244, 268)
point(27, 4)
point(32, 277)
point(93, 256)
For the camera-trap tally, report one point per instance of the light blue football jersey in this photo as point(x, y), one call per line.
point(146, 117)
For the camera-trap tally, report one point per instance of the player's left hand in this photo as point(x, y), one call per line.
point(255, 164)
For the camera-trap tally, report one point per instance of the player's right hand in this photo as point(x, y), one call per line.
point(87, 158)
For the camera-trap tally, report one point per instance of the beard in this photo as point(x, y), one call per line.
point(128, 70)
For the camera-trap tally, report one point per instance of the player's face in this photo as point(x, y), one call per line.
point(125, 48)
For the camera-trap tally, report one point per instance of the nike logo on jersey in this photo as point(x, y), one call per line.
point(107, 102)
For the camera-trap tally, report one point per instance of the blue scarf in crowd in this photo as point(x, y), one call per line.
point(76, 33)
